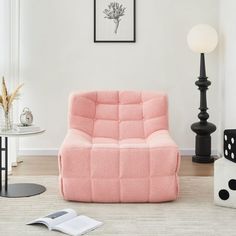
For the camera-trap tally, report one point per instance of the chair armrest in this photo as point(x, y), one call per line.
point(161, 138)
point(76, 139)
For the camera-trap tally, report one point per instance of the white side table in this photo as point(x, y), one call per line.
point(19, 189)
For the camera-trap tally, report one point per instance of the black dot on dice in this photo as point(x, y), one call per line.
point(223, 194)
point(232, 184)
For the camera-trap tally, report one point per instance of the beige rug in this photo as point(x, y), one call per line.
point(192, 214)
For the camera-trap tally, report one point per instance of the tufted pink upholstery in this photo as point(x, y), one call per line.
point(118, 149)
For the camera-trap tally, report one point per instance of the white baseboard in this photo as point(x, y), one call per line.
point(38, 152)
point(54, 152)
point(191, 152)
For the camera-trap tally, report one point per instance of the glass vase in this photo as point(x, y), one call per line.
point(6, 120)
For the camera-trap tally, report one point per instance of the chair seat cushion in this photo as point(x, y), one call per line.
point(102, 169)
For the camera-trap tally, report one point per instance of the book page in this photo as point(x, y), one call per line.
point(55, 218)
point(78, 225)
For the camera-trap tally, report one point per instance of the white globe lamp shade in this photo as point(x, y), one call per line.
point(202, 38)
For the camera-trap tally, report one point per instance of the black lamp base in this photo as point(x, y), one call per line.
point(203, 159)
point(203, 128)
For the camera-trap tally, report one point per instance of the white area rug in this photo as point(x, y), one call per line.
point(192, 214)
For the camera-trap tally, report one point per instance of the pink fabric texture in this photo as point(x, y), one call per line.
point(118, 149)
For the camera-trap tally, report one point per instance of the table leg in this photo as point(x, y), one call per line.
point(6, 163)
point(2, 149)
point(19, 189)
point(1, 164)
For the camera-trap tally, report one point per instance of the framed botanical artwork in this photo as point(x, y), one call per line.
point(114, 21)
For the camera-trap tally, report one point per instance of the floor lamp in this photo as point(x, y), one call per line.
point(203, 39)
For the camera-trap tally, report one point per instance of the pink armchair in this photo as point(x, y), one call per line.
point(118, 149)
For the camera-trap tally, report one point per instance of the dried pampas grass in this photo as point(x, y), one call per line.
point(6, 99)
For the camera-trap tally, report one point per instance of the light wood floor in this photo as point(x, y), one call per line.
point(48, 166)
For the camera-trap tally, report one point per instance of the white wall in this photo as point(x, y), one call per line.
point(4, 37)
point(228, 63)
point(57, 56)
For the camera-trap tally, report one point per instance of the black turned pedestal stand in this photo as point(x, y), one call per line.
point(19, 189)
point(203, 128)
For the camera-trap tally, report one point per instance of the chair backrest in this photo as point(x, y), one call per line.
point(118, 114)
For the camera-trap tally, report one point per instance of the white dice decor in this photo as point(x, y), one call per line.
point(225, 183)
point(225, 173)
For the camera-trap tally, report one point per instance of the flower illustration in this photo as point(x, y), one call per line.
point(114, 12)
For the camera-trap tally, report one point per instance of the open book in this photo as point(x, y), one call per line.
point(68, 222)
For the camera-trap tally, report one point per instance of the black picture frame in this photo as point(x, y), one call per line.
point(133, 40)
